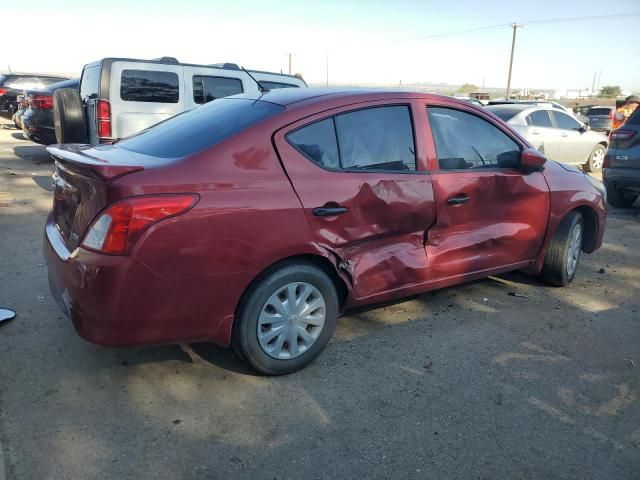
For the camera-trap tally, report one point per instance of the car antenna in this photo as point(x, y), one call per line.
point(261, 87)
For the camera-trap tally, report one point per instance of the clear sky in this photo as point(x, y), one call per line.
point(363, 40)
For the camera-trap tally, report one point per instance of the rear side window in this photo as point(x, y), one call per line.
point(539, 118)
point(275, 85)
point(318, 142)
point(465, 141)
point(200, 128)
point(149, 86)
point(207, 88)
point(565, 122)
point(90, 82)
point(378, 138)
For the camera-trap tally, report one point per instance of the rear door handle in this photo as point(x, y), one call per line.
point(535, 132)
point(458, 200)
point(328, 211)
point(564, 135)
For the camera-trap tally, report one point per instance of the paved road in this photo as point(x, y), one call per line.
point(467, 382)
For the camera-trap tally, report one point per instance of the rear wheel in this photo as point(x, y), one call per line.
point(286, 319)
point(69, 118)
point(619, 198)
point(563, 255)
point(596, 160)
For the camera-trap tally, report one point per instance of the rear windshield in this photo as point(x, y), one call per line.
point(599, 111)
point(30, 82)
point(200, 128)
point(504, 113)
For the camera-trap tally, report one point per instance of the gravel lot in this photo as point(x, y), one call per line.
point(467, 382)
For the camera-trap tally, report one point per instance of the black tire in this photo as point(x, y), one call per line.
point(245, 340)
point(69, 119)
point(555, 269)
point(619, 198)
point(595, 161)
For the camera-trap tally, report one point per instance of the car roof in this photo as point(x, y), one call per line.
point(517, 107)
point(289, 96)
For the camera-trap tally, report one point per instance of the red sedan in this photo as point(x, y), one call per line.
point(254, 220)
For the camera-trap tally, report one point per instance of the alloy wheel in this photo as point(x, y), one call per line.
point(575, 247)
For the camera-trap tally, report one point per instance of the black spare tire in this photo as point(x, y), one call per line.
point(69, 119)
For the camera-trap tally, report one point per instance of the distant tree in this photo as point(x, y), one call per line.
point(468, 88)
point(610, 91)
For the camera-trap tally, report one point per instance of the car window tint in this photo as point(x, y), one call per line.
point(207, 88)
point(275, 85)
point(599, 111)
point(90, 82)
point(318, 142)
point(466, 141)
point(565, 122)
point(376, 138)
point(149, 86)
point(539, 118)
point(200, 128)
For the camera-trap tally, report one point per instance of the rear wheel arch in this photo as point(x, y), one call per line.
point(591, 227)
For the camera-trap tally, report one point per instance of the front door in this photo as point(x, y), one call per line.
point(490, 214)
point(366, 194)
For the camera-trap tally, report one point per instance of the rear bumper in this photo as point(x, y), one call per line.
point(622, 178)
point(119, 301)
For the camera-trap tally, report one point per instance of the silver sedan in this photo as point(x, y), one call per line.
point(558, 135)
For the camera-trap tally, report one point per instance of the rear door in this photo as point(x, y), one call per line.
point(204, 84)
point(143, 94)
point(490, 215)
point(365, 190)
point(540, 132)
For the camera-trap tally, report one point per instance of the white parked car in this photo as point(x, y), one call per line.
point(119, 97)
point(556, 134)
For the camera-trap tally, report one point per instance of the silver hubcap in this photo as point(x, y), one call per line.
point(598, 158)
point(291, 320)
point(575, 247)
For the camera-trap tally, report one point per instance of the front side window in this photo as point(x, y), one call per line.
point(539, 118)
point(149, 86)
point(378, 138)
point(465, 141)
point(565, 122)
point(207, 88)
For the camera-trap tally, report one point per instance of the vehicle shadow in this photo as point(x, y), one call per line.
point(18, 136)
point(44, 182)
point(33, 153)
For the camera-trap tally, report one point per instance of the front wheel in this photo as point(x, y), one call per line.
point(561, 261)
point(596, 160)
point(286, 319)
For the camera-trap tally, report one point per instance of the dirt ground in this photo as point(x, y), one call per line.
point(467, 382)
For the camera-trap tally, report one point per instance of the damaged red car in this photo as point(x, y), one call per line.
point(254, 220)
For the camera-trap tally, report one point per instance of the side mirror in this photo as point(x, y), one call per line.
point(531, 160)
point(584, 128)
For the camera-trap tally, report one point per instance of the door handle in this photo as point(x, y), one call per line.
point(459, 200)
point(564, 135)
point(328, 211)
point(535, 132)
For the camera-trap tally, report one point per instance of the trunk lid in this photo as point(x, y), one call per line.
point(81, 184)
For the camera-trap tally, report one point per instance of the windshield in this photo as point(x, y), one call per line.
point(599, 111)
point(200, 128)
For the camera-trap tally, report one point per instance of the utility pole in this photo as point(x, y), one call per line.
point(515, 26)
point(289, 64)
point(598, 84)
point(593, 85)
point(327, 65)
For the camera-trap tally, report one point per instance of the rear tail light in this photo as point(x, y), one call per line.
point(118, 227)
point(622, 134)
point(103, 118)
point(42, 101)
point(607, 161)
point(3, 91)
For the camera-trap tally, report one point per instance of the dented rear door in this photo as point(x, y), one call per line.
point(372, 217)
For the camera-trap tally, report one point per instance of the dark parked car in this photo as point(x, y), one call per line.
point(621, 173)
point(255, 219)
point(601, 118)
point(37, 120)
point(13, 84)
